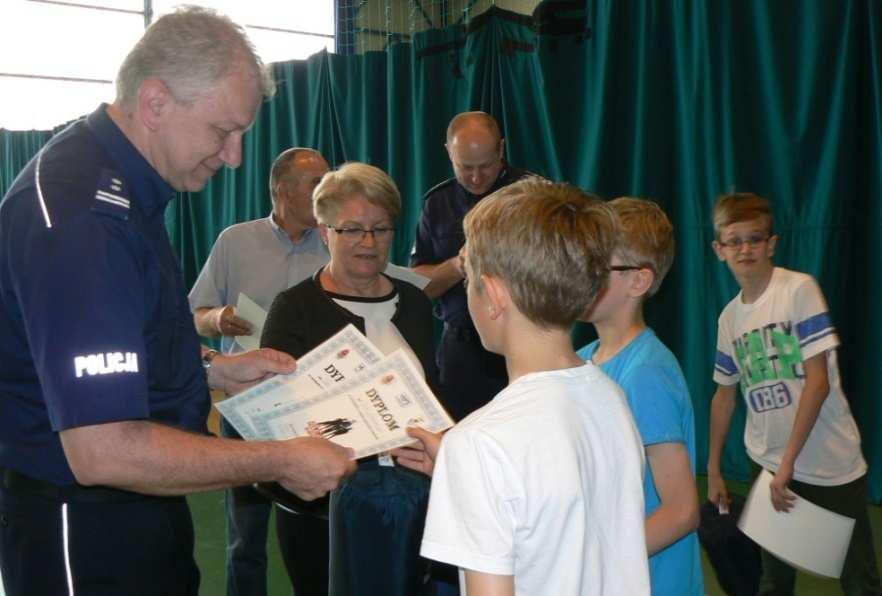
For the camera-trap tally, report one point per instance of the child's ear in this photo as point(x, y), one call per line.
point(718, 250)
point(771, 245)
point(641, 282)
point(497, 294)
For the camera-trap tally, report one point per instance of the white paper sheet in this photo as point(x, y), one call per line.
point(808, 537)
point(334, 361)
point(408, 275)
point(248, 309)
point(368, 413)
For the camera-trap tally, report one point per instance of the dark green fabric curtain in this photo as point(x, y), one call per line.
point(16, 150)
point(678, 101)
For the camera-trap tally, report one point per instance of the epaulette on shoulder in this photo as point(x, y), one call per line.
point(438, 187)
point(111, 195)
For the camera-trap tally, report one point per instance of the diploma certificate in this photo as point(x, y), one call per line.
point(333, 362)
point(368, 413)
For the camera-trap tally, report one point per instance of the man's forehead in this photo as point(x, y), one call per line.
point(474, 134)
point(477, 152)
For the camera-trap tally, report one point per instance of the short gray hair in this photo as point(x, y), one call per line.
point(190, 50)
point(284, 167)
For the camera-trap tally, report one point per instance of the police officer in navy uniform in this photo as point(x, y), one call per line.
point(103, 397)
point(470, 376)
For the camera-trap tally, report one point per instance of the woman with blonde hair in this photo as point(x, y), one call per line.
point(376, 518)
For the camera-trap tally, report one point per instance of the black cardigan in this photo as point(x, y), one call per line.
point(304, 316)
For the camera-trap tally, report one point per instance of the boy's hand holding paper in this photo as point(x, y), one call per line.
point(785, 534)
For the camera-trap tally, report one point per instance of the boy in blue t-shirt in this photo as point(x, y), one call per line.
point(631, 354)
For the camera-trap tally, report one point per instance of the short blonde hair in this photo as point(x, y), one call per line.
point(549, 242)
point(741, 206)
point(646, 237)
point(354, 179)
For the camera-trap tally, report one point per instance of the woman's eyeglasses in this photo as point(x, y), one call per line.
point(356, 235)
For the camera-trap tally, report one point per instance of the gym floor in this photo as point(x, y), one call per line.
point(208, 517)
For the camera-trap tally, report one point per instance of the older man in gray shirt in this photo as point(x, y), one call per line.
point(260, 258)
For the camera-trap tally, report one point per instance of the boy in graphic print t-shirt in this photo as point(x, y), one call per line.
point(776, 338)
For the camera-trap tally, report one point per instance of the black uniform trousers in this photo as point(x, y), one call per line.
point(470, 376)
point(93, 541)
point(303, 544)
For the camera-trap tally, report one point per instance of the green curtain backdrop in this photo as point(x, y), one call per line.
point(678, 101)
point(16, 150)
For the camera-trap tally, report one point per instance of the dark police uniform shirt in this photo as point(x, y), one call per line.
point(440, 236)
point(96, 325)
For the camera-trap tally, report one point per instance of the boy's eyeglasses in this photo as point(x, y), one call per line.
point(624, 268)
point(739, 243)
point(356, 235)
point(631, 267)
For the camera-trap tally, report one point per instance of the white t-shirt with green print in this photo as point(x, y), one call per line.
point(763, 345)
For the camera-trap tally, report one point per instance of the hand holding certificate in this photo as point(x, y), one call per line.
point(368, 413)
point(784, 534)
point(421, 455)
point(333, 361)
point(346, 391)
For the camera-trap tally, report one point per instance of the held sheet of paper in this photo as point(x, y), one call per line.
point(248, 309)
point(344, 390)
point(785, 534)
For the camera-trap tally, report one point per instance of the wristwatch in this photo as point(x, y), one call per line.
point(207, 357)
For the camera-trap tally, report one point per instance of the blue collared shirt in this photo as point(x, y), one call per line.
point(96, 324)
point(258, 259)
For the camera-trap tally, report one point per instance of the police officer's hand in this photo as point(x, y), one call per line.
point(234, 373)
point(227, 323)
point(316, 466)
point(459, 262)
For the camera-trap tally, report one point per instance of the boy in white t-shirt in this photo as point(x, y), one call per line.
point(776, 338)
point(540, 491)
